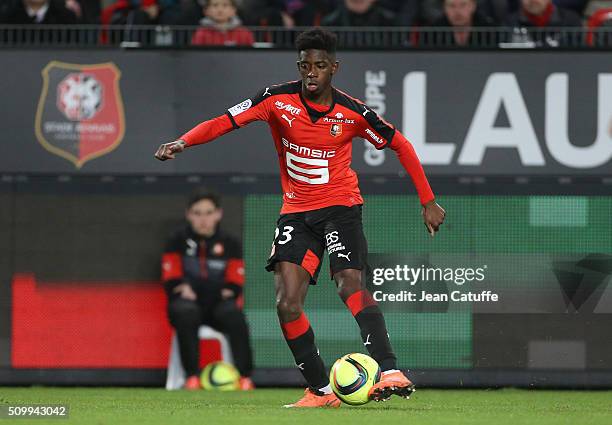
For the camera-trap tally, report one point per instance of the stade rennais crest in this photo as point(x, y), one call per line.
point(80, 112)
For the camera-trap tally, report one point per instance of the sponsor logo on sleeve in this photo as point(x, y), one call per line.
point(240, 108)
point(374, 137)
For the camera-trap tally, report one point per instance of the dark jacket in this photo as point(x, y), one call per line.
point(475, 39)
point(207, 264)
point(544, 37)
point(377, 16)
point(57, 14)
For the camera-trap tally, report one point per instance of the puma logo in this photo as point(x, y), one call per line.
point(267, 92)
point(345, 255)
point(290, 121)
point(367, 341)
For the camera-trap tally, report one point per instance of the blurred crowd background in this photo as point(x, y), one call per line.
point(233, 22)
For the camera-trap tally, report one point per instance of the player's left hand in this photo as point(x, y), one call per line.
point(169, 150)
point(433, 215)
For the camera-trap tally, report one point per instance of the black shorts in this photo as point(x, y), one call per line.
point(301, 238)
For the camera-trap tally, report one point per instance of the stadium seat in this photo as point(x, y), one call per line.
point(176, 374)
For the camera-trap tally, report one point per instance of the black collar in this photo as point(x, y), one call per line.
point(313, 113)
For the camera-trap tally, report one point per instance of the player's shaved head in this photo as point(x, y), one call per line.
point(317, 39)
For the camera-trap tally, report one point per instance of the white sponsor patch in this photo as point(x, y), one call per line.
point(240, 108)
point(374, 137)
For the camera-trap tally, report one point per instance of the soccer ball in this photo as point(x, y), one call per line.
point(352, 376)
point(220, 376)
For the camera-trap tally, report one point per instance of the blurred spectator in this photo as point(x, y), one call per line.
point(577, 6)
point(141, 12)
point(169, 11)
point(535, 16)
point(146, 14)
point(265, 13)
point(407, 12)
point(187, 12)
point(127, 14)
point(359, 13)
point(87, 11)
point(221, 26)
point(462, 16)
point(308, 13)
point(203, 275)
point(52, 12)
point(6, 8)
point(432, 11)
point(497, 11)
point(600, 31)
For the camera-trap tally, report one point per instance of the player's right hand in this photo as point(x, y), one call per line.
point(169, 150)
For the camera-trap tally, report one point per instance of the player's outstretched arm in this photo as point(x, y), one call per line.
point(202, 133)
point(247, 111)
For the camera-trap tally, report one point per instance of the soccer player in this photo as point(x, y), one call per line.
point(313, 124)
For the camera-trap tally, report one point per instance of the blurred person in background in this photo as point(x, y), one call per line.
point(265, 13)
point(600, 32)
point(221, 26)
point(170, 11)
point(578, 6)
point(360, 13)
point(203, 274)
point(307, 13)
point(270, 14)
point(496, 11)
point(50, 12)
point(407, 12)
point(131, 15)
point(535, 16)
point(463, 16)
point(86, 11)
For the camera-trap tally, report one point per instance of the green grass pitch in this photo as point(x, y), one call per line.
point(125, 406)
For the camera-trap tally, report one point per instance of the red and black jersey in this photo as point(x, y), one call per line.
point(314, 144)
point(207, 264)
